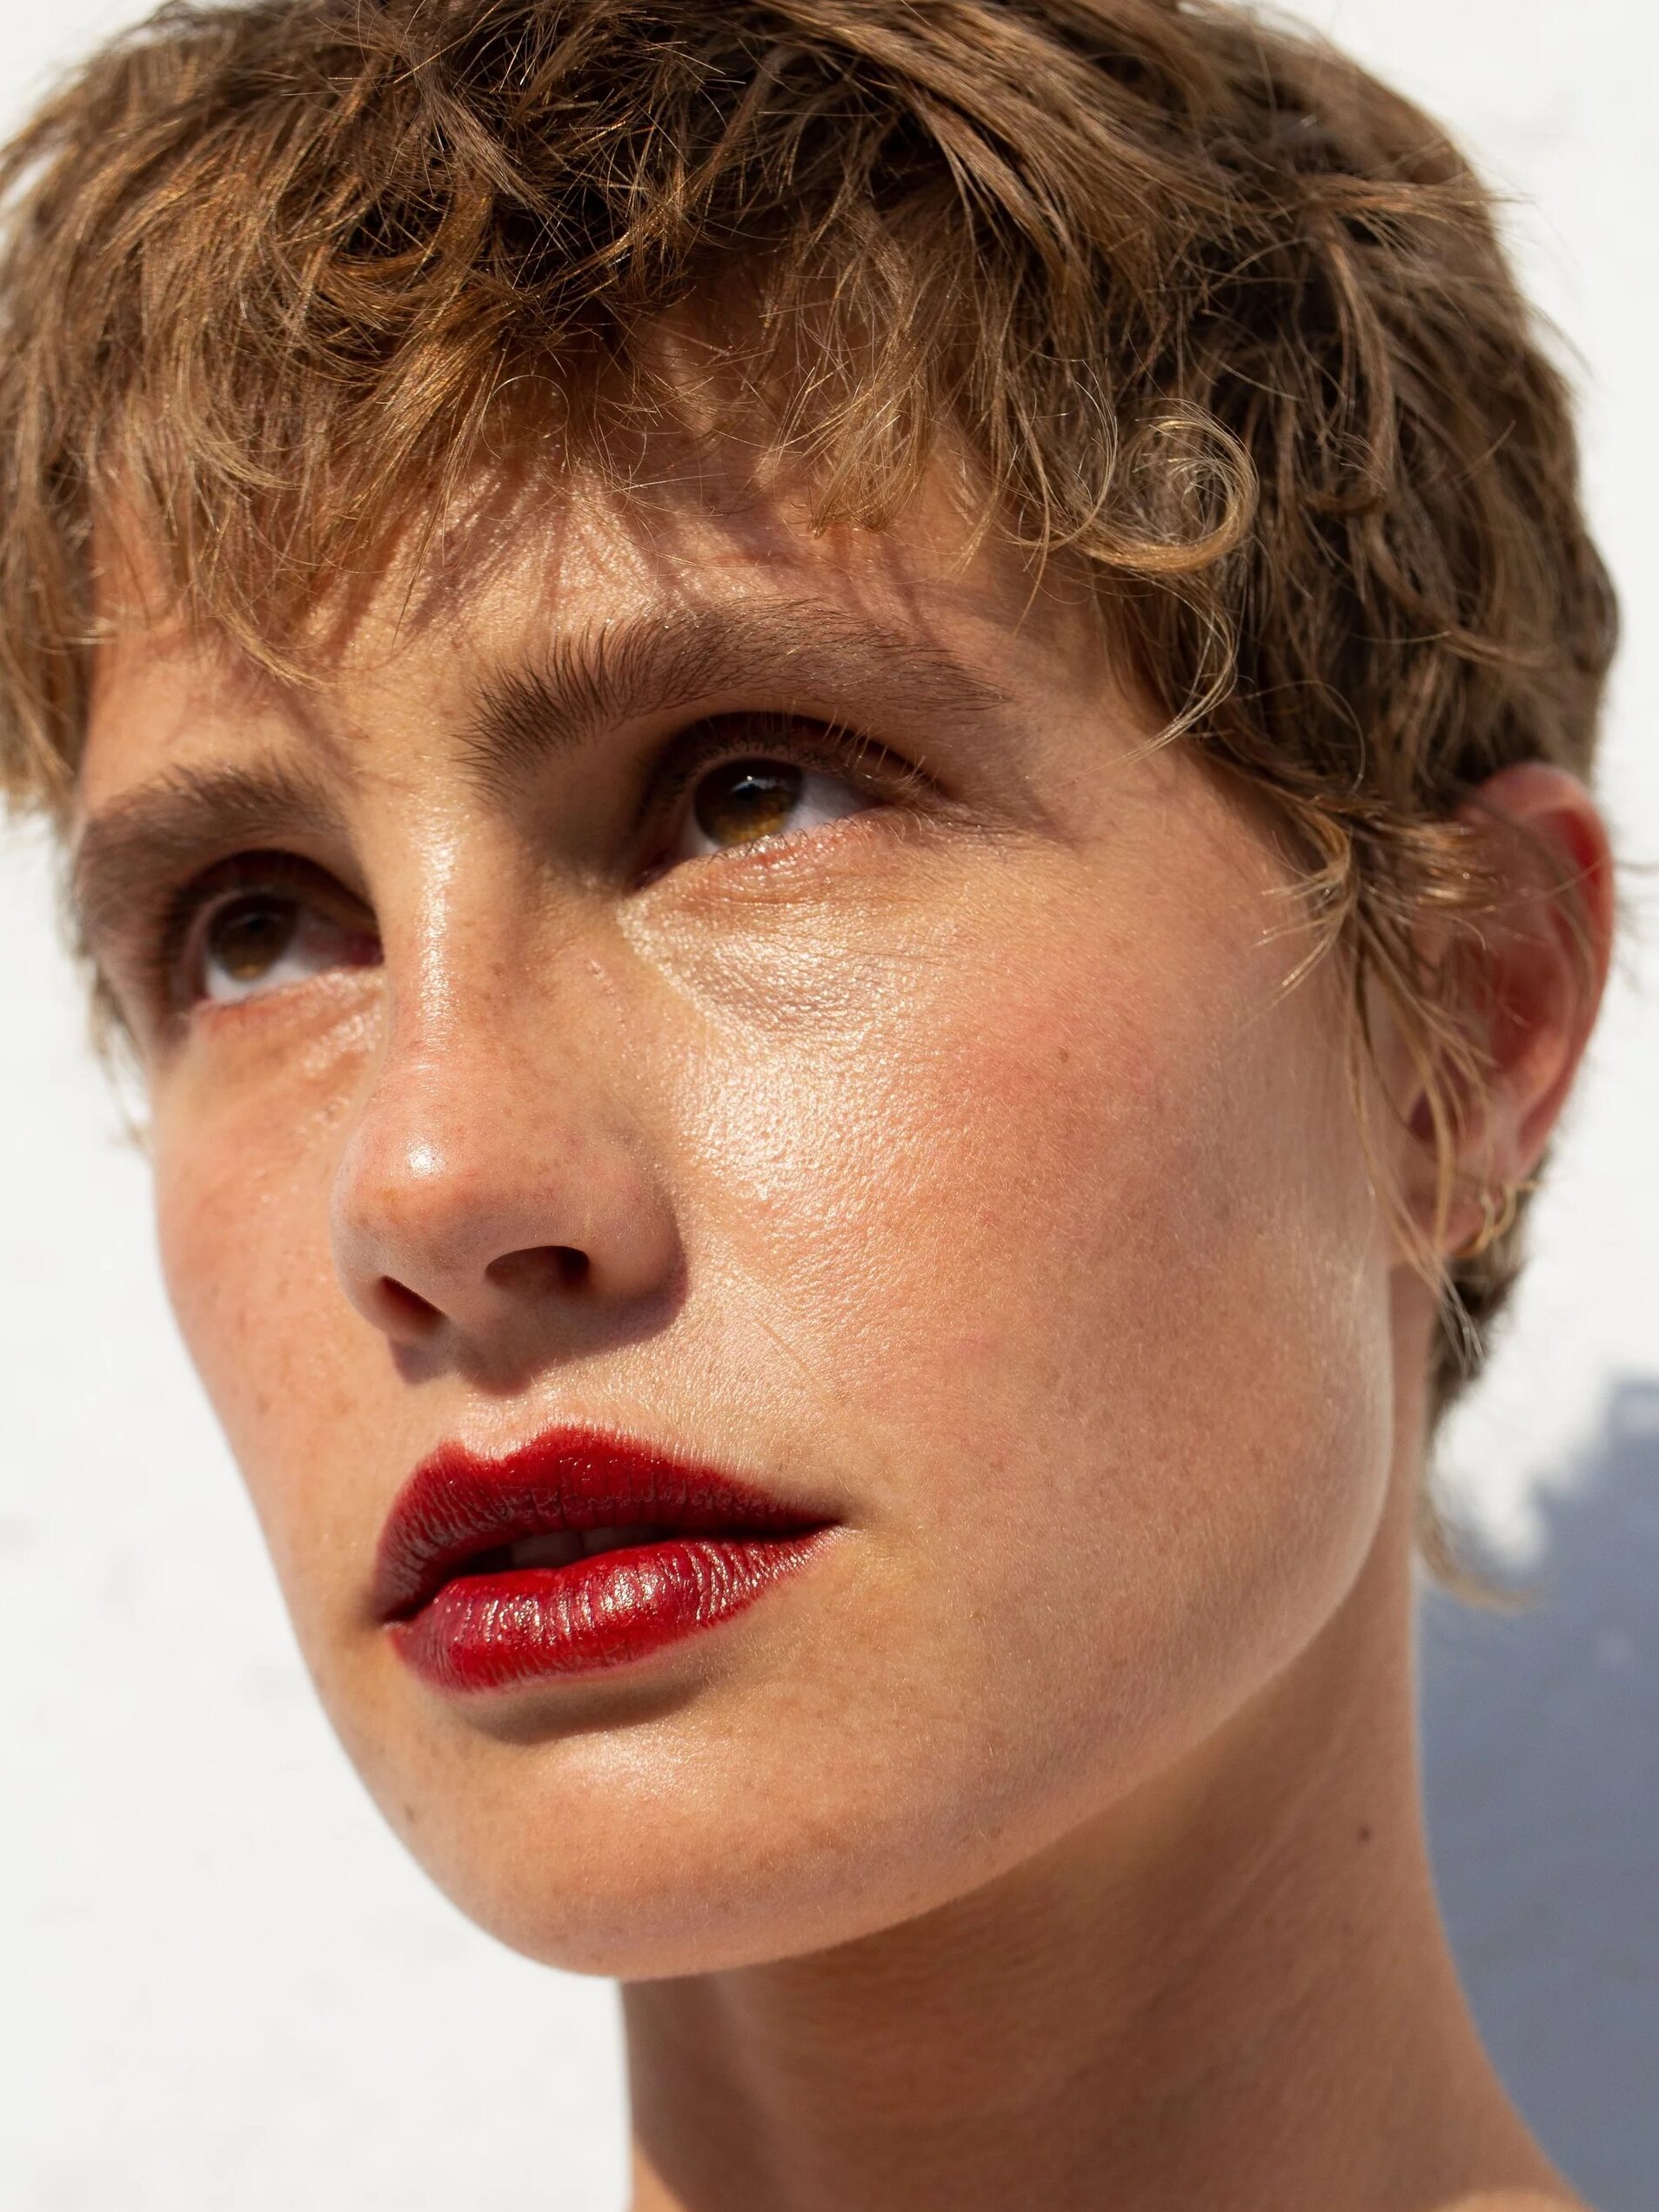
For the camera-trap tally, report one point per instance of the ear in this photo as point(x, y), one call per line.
point(1530, 976)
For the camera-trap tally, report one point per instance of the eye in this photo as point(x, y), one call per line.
point(257, 937)
point(742, 801)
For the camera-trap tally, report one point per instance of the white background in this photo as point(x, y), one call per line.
point(224, 1987)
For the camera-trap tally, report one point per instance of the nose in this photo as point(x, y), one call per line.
point(491, 1191)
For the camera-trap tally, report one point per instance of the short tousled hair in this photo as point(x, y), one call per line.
point(1220, 320)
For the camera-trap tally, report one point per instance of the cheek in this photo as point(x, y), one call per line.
point(1080, 1146)
point(1072, 1244)
point(234, 1235)
point(291, 1370)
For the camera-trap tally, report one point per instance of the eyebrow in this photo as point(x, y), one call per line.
point(590, 681)
point(175, 823)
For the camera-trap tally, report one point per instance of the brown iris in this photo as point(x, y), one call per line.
point(246, 938)
point(742, 801)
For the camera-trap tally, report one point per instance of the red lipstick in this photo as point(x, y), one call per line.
point(575, 1552)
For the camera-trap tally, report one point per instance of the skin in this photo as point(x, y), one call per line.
point(959, 1167)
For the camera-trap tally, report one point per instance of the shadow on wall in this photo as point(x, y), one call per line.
point(1542, 1766)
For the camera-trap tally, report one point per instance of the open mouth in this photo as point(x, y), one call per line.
point(496, 1573)
point(560, 1548)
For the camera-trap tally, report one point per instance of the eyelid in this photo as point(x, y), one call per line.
point(185, 907)
point(834, 748)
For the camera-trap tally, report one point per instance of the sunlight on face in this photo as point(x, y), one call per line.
point(748, 991)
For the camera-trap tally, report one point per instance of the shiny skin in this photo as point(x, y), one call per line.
point(975, 1171)
point(964, 1166)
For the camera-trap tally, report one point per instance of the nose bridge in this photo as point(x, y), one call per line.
point(491, 1160)
point(446, 1049)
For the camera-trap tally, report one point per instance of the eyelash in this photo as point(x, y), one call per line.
point(241, 872)
point(831, 748)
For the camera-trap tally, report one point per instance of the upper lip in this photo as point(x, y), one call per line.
point(457, 1505)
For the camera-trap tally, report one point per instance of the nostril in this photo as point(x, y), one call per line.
point(543, 1268)
point(406, 1308)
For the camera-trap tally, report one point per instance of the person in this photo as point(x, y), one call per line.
point(831, 759)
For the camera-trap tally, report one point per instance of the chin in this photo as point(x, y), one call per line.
point(686, 1839)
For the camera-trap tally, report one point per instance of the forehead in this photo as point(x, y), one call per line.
point(725, 585)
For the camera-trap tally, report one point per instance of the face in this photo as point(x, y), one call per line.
point(719, 997)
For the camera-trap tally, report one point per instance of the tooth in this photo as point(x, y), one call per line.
point(607, 1539)
point(557, 1548)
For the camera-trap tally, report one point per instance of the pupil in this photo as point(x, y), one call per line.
point(249, 938)
point(744, 800)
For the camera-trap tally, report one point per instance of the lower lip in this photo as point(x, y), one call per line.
point(494, 1631)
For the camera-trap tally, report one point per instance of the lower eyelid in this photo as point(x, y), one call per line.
point(292, 996)
point(770, 864)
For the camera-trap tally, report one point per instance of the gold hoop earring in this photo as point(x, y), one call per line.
point(1497, 1219)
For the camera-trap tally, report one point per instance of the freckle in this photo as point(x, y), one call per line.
point(410, 1815)
point(1065, 1056)
point(1365, 1834)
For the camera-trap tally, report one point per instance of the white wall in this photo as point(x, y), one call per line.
point(226, 1987)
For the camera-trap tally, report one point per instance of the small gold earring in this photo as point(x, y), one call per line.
point(1497, 1219)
